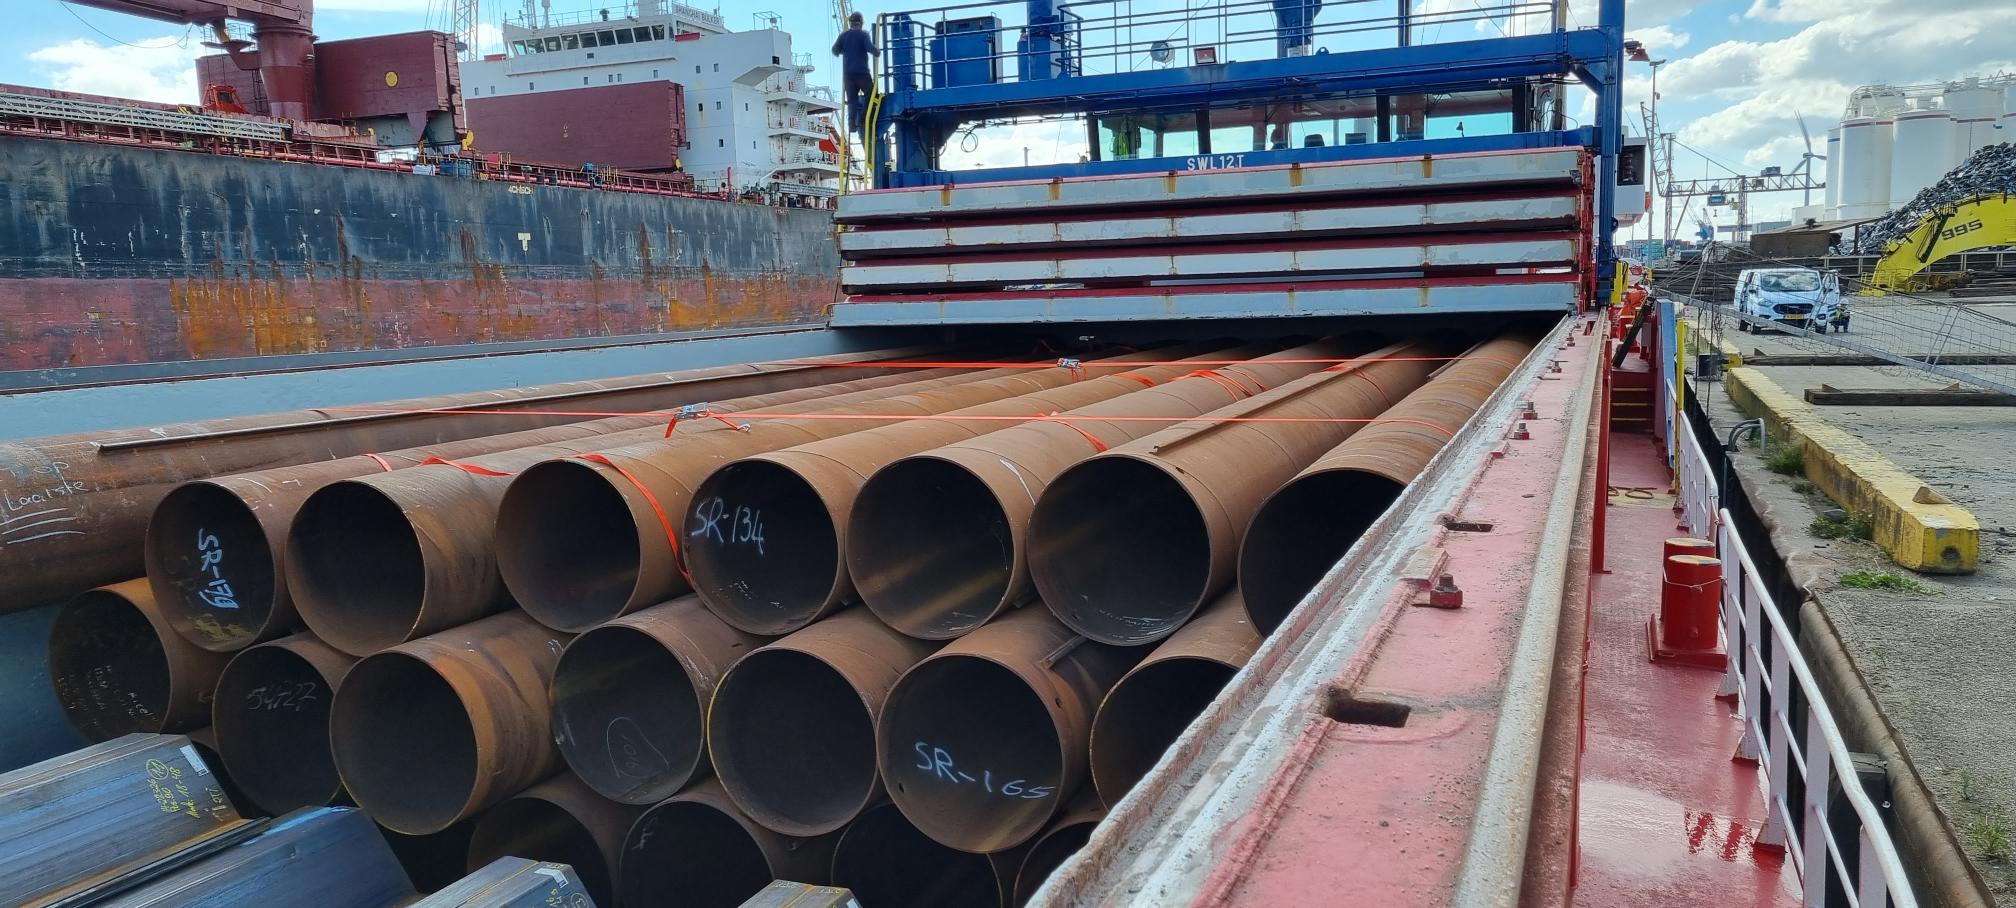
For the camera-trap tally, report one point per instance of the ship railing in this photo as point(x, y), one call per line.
point(1841, 849)
point(605, 12)
point(953, 43)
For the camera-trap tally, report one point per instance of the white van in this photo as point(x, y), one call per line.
point(1800, 297)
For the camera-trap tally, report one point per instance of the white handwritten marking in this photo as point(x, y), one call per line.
point(37, 523)
point(5, 520)
point(45, 536)
point(742, 524)
point(940, 765)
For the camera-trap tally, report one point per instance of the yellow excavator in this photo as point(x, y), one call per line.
point(1980, 223)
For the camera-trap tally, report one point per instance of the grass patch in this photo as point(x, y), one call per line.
point(1890, 581)
point(1805, 488)
point(1966, 786)
point(1989, 835)
point(1854, 526)
point(1785, 459)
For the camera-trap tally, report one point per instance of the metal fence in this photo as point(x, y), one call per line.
point(1841, 849)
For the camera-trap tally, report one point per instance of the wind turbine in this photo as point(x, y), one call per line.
point(1806, 160)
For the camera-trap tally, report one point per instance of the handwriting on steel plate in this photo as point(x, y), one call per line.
point(941, 766)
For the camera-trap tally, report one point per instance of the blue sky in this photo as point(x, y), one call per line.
point(1739, 71)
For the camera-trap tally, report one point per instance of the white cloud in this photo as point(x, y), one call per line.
point(155, 69)
point(1660, 40)
point(372, 6)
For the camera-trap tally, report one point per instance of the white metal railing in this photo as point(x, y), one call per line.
point(1773, 687)
point(12, 104)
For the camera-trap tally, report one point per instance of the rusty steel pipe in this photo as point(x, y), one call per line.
point(792, 725)
point(1125, 546)
point(1151, 706)
point(630, 699)
point(1064, 837)
point(886, 862)
point(424, 536)
point(937, 542)
point(770, 552)
point(119, 668)
point(214, 546)
point(271, 718)
point(981, 742)
point(1308, 523)
point(76, 506)
point(699, 847)
point(431, 731)
point(560, 820)
point(580, 542)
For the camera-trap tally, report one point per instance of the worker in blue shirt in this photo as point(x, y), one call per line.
point(854, 48)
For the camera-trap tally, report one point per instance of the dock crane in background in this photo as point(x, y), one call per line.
point(282, 29)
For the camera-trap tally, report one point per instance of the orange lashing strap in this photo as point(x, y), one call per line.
point(382, 462)
point(1097, 445)
point(1143, 379)
point(664, 520)
point(464, 467)
point(1238, 390)
point(700, 411)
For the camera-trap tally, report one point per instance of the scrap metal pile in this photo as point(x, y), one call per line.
point(1989, 171)
point(906, 622)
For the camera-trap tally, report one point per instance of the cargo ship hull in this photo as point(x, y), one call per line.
point(112, 254)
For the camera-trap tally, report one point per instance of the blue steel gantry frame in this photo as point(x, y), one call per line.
point(914, 121)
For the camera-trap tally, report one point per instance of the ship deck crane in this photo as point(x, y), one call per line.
point(283, 30)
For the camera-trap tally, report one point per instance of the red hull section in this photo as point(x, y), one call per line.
point(68, 322)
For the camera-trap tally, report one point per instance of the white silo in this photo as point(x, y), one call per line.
point(1976, 108)
point(1921, 153)
point(1865, 167)
point(1833, 152)
point(1881, 101)
point(2008, 131)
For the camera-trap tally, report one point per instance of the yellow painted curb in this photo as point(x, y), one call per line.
point(1919, 527)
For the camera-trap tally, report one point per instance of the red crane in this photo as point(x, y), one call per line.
point(282, 29)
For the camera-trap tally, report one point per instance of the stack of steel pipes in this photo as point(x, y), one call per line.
point(907, 631)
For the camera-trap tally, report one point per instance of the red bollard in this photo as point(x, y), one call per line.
point(1687, 545)
point(1688, 628)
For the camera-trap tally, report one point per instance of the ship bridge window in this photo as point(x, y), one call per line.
point(642, 32)
point(553, 43)
point(570, 42)
point(588, 40)
point(609, 39)
point(657, 32)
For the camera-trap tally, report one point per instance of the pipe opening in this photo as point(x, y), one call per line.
point(793, 742)
point(929, 548)
point(971, 754)
point(1144, 714)
point(272, 726)
point(403, 743)
point(626, 715)
point(1300, 533)
point(567, 545)
point(355, 568)
point(1344, 707)
point(108, 666)
point(434, 860)
point(1049, 853)
point(762, 548)
point(694, 851)
point(1120, 551)
point(889, 864)
point(540, 830)
point(207, 546)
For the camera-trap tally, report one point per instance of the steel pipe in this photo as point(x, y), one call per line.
point(580, 542)
point(1150, 708)
point(76, 506)
point(1312, 520)
point(320, 857)
point(433, 730)
point(630, 699)
point(559, 820)
point(699, 846)
point(1125, 546)
point(118, 667)
point(271, 718)
point(433, 860)
point(886, 862)
point(424, 537)
point(981, 742)
point(938, 541)
point(792, 725)
point(1058, 843)
point(771, 557)
point(215, 546)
